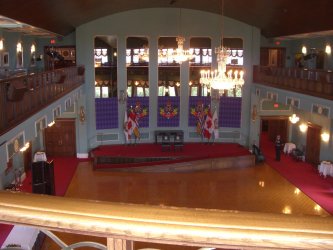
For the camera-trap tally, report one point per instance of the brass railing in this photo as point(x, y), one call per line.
point(125, 223)
point(24, 95)
point(316, 83)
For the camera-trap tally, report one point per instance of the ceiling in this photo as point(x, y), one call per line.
point(275, 18)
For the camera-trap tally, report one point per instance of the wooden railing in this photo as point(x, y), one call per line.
point(125, 223)
point(316, 83)
point(24, 95)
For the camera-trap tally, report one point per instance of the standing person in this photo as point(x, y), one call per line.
point(278, 145)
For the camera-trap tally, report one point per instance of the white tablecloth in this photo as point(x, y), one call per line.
point(22, 235)
point(40, 156)
point(325, 168)
point(288, 147)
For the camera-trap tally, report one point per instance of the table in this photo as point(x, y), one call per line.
point(325, 168)
point(171, 133)
point(288, 147)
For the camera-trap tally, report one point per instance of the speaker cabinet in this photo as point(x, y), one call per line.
point(43, 177)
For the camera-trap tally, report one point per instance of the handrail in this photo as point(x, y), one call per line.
point(172, 225)
point(318, 83)
point(24, 95)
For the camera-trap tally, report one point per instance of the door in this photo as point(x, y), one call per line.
point(60, 139)
point(274, 57)
point(27, 159)
point(312, 151)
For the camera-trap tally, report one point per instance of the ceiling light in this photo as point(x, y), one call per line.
point(304, 50)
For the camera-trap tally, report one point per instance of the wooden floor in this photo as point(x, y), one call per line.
point(258, 189)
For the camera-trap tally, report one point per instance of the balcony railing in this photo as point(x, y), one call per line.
point(22, 96)
point(122, 224)
point(316, 83)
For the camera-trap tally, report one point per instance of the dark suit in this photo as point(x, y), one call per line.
point(278, 146)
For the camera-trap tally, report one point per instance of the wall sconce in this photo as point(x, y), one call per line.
point(33, 49)
point(328, 49)
point(51, 124)
point(122, 96)
point(294, 118)
point(254, 113)
point(1, 44)
point(25, 147)
point(303, 127)
point(304, 50)
point(19, 47)
point(325, 136)
point(82, 114)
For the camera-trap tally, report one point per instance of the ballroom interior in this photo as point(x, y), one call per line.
point(73, 73)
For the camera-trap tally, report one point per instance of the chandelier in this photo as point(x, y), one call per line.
point(180, 55)
point(219, 78)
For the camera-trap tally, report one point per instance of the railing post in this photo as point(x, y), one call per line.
point(119, 244)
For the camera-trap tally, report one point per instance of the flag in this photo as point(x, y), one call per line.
point(133, 125)
point(208, 125)
point(126, 131)
point(216, 125)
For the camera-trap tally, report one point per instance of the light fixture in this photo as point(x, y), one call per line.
point(294, 118)
point(19, 47)
point(328, 49)
point(180, 55)
point(325, 136)
point(51, 124)
point(122, 96)
point(303, 127)
point(33, 48)
point(304, 50)
point(1, 44)
point(220, 79)
point(82, 114)
point(25, 147)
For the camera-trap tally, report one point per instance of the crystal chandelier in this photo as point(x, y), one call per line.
point(219, 78)
point(180, 55)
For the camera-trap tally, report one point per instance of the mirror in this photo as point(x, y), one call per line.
point(105, 59)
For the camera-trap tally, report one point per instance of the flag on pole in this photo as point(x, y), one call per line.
point(208, 125)
point(216, 125)
point(133, 124)
point(126, 131)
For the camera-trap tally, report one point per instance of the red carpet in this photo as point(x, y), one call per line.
point(301, 174)
point(64, 169)
point(190, 152)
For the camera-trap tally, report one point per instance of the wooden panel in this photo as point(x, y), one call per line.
point(313, 144)
point(60, 139)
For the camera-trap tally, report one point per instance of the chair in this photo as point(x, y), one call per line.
point(166, 142)
point(298, 154)
point(257, 152)
point(178, 142)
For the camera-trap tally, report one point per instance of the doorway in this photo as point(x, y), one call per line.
point(273, 126)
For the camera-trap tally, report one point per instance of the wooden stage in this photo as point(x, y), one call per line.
point(151, 157)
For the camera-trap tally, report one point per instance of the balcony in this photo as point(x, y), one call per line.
point(311, 82)
point(24, 95)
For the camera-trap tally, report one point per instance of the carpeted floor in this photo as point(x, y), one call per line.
point(303, 175)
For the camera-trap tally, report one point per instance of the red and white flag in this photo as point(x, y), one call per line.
point(208, 125)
